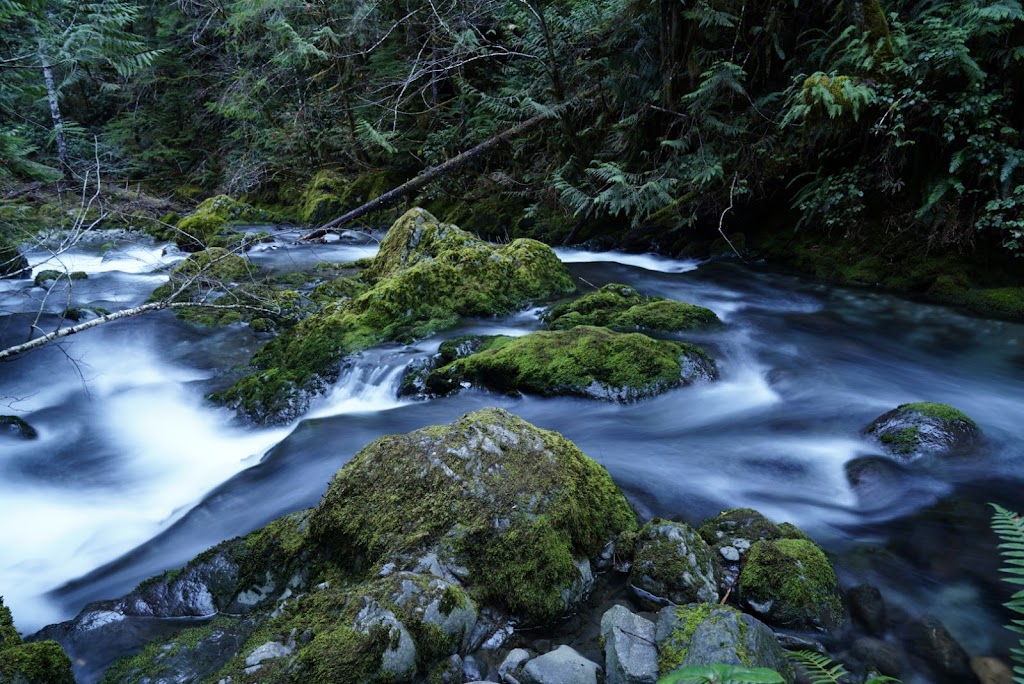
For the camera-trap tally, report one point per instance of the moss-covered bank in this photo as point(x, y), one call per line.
point(426, 275)
point(41, 662)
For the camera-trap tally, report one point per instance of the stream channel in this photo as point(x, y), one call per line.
point(134, 472)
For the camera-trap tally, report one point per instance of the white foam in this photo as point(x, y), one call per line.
point(648, 262)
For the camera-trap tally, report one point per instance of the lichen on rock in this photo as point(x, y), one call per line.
point(426, 275)
point(623, 308)
point(582, 361)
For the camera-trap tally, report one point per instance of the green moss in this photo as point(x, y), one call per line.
point(18, 426)
point(660, 567)
point(582, 361)
point(195, 231)
point(738, 523)
point(276, 548)
point(621, 307)
point(324, 198)
point(149, 665)
point(337, 289)
point(672, 652)
point(43, 662)
point(425, 277)
point(515, 504)
point(903, 441)
point(936, 410)
point(794, 578)
point(211, 270)
point(44, 276)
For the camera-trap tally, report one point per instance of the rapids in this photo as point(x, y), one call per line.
point(135, 472)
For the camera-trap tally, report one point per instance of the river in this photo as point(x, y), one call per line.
point(135, 472)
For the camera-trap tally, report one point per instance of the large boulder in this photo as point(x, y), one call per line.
point(672, 565)
point(623, 308)
point(490, 499)
point(426, 275)
point(911, 431)
point(705, 634)
point(790, 583)
point(43, 662)
point(201, 228)
point(583, 361)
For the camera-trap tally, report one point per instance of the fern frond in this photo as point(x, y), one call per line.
point(820, 668)
point(1009, 527)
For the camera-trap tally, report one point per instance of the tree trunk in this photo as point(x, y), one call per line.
point(55, 115)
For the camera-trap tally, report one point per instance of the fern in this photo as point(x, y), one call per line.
point(722, 674)
point(1009, 527)
point(821, 669)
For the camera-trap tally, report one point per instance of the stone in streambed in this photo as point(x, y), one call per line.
point(911, 431)
point(561, 666)
point(705, 634)
point(16, 427)
point(672, 565)
point(584, 361)
point(631, 656)
point(931, 641)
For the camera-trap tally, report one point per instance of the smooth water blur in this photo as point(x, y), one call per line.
point(131, 452)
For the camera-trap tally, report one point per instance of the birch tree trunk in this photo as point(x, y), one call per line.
point(55, 115)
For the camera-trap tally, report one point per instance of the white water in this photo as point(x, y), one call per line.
point(648, 262)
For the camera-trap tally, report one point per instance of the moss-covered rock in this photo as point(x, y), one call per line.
point(15, 426)
point(582, 361)
point(672, 565)
point(790, 583)
point(43, 662)
point(215, 276)
point(706, 634)
point(621, 307)
point(731, 533)
point(911, 431)
point(199, 229)
point(426, 275)
point(506, 505)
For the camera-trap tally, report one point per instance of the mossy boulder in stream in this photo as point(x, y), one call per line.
point(911, 431)
point(426, 275)
point(511, 508)
point(621, 307)
point(17, 427)
point(387, 578)
point(43, 662)
point(672, 565)
point(790, 583)
point(198, 230)
point(583, 361)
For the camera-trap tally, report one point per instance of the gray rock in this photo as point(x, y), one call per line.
point(877, 655)
point(929, 639)
point(561, 666)
point(868, 608)
point(672, 565)
point(271, 649)
point(515, 658)
point(911, 431)
point(630, 655)
point(399, 659)
point(721, 634)
point(574, 594)
point(441, 604)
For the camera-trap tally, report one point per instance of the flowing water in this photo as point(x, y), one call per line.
point(135, 472)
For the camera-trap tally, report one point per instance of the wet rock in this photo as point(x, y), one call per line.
point(672, 565)
point(561, 666)
point(704, 634)
point(630, 654)
point(583, 361)
point(868, 608)
point(16, 427)
point(877, 655)
point(268, 651)
point(929, 639)
point(911, 431)
point(790, 583)
point(730, 535)
point(515, 658)
point(991, 670)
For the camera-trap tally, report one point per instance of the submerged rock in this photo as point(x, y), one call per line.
point(705, 634)
point(672, 565)
point(911, 431)
point(623, 308)
point(41, 662)
point(583, 361)
point(17, 427)
point(383, 580)
point(929, 639)
point(426, 275)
